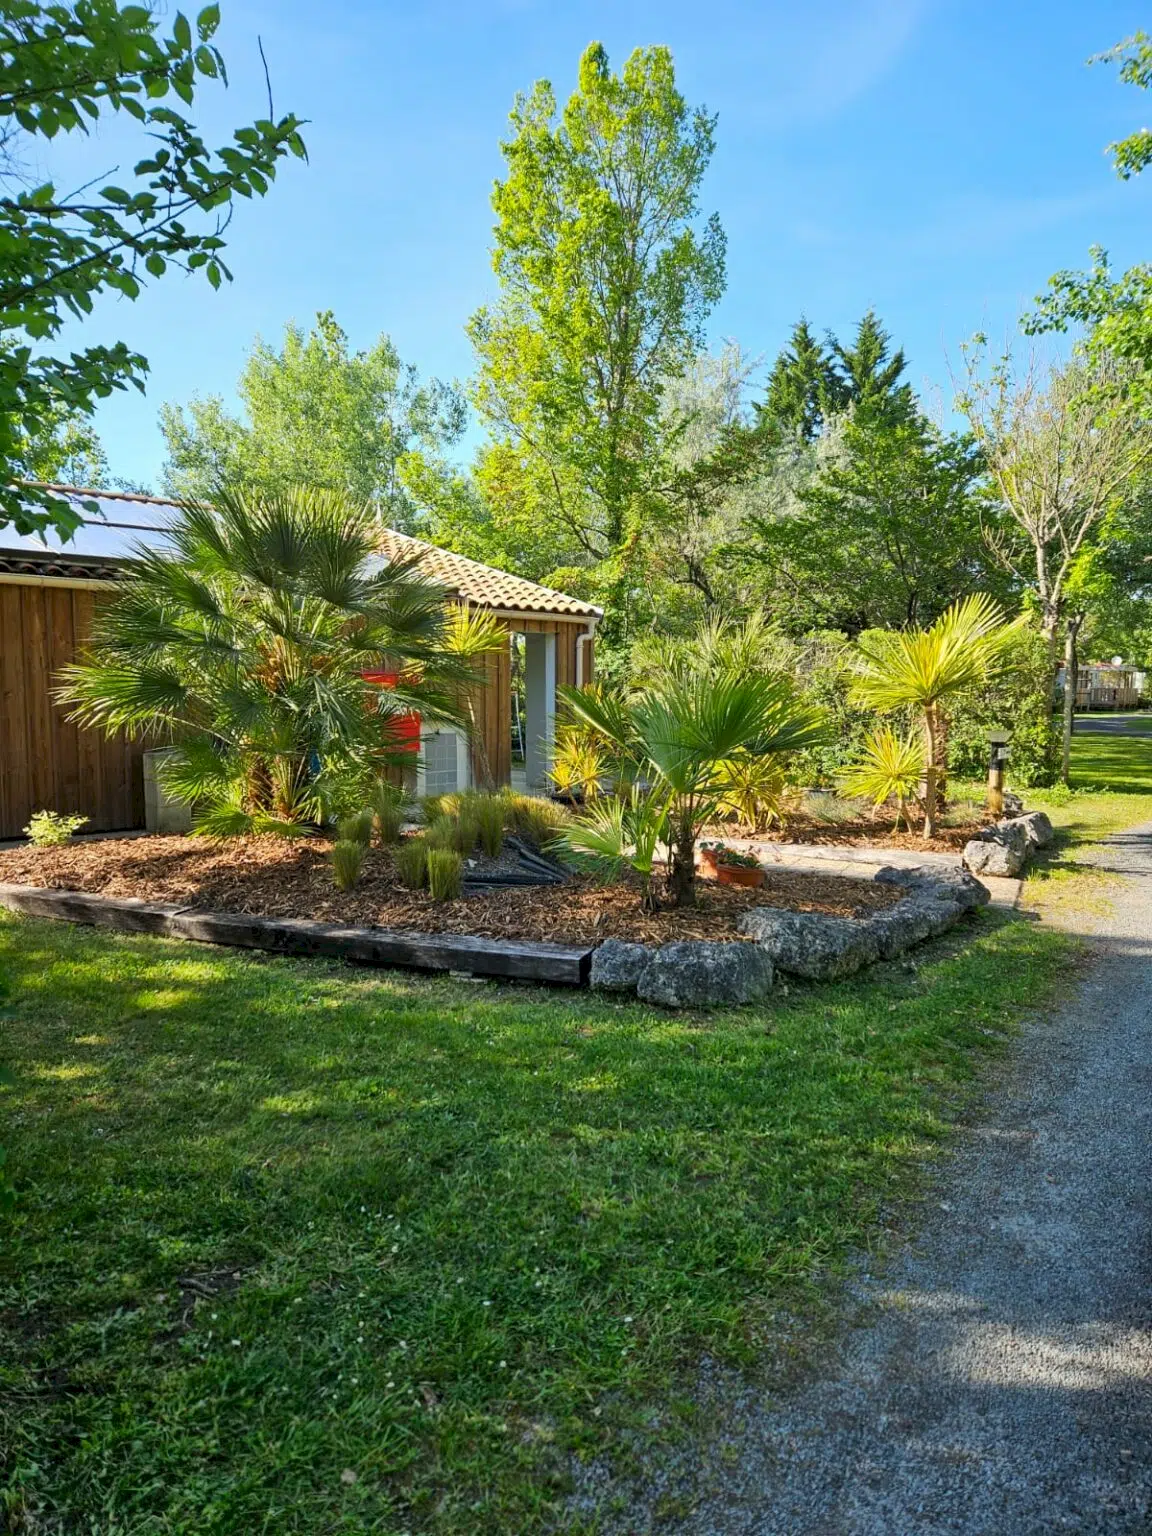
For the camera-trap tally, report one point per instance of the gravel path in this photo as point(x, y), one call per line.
point(1002, 1385)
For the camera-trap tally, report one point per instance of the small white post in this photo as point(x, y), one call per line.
point(539, 710)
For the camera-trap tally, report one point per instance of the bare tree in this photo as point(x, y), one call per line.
point(1063, 443)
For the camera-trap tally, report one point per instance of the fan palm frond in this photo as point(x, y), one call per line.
point(249, 636)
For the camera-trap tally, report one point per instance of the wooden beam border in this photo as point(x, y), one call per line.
point(511, 959)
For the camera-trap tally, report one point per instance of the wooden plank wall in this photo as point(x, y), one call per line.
point(45, 762)
point(492, 701)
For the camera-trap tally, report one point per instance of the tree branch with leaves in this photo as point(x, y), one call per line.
point(63, 67)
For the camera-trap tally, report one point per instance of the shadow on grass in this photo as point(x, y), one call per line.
point(1120, 765)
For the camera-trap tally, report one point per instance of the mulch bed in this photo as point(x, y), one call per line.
point(273, 878)
point(856, 834)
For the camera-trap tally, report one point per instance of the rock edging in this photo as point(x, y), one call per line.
point(812, 945)
point(1005, 848)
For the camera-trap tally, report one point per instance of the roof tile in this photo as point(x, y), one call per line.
point(483, 585)
point(124, 516)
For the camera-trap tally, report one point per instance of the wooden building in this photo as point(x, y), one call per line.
point(49, 591)
point(1105, 685)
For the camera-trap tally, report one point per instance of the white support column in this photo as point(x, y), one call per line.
point(540, 709)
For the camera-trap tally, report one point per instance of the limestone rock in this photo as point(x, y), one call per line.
point(703, 975)
point(812, 944)
point(937, 883)
point(911, 921)
point(1009, 834)
point(617, 966)
point(985, 857)
point(1037, 828)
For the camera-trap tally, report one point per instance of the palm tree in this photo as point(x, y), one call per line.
point(890, 767)
point(922, 668)
point(244, 643)
point(671, 741)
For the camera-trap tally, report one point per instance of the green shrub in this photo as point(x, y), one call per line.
point(412, 862)
point(347, 860)
point(432, 807)
point(48, 829)
point(356, 828)
point(445, 873)
point(823, 676)
point(1021, 702)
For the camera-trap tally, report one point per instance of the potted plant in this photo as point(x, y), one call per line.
point(729, 866)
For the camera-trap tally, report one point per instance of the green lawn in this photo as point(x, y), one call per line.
point(1111, 784)
point(305, 1249)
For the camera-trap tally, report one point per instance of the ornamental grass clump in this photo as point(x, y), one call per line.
point(489, 812)
point(445, 874)
point(412, 863)
point(539, 822)
point(387, 812)
point(465, 828)
point(356, 828)
point(347, 862)
point(442, 833)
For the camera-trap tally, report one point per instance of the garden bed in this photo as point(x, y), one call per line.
point(273, 878)
point(863, 833)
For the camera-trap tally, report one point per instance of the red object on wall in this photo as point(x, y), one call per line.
point(404, 729)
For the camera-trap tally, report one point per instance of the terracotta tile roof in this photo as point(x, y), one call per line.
point(482, 585)
point(124, 518)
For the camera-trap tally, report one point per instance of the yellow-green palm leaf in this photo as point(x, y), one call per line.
point(920, 667)
point(890, 769)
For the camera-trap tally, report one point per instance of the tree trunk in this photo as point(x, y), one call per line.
point(942, 725)
point(682, 871)
point(931, 807)
point(1071, 678)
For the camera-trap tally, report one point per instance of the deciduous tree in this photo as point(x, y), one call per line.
point(63, 68)
point(606, 277)
point(317, 414)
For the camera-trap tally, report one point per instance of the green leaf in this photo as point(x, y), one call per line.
point(156, 264)
point(182, 32)
point(207, 22)
point(206, 62)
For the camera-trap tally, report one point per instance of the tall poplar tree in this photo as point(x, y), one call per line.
point(606, 277)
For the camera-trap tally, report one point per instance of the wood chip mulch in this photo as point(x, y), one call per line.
point(279, 879)
point(856, 834)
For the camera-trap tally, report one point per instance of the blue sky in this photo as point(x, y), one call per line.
point(935, 159)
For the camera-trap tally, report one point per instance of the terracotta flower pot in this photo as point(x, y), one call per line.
point(739, 874)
